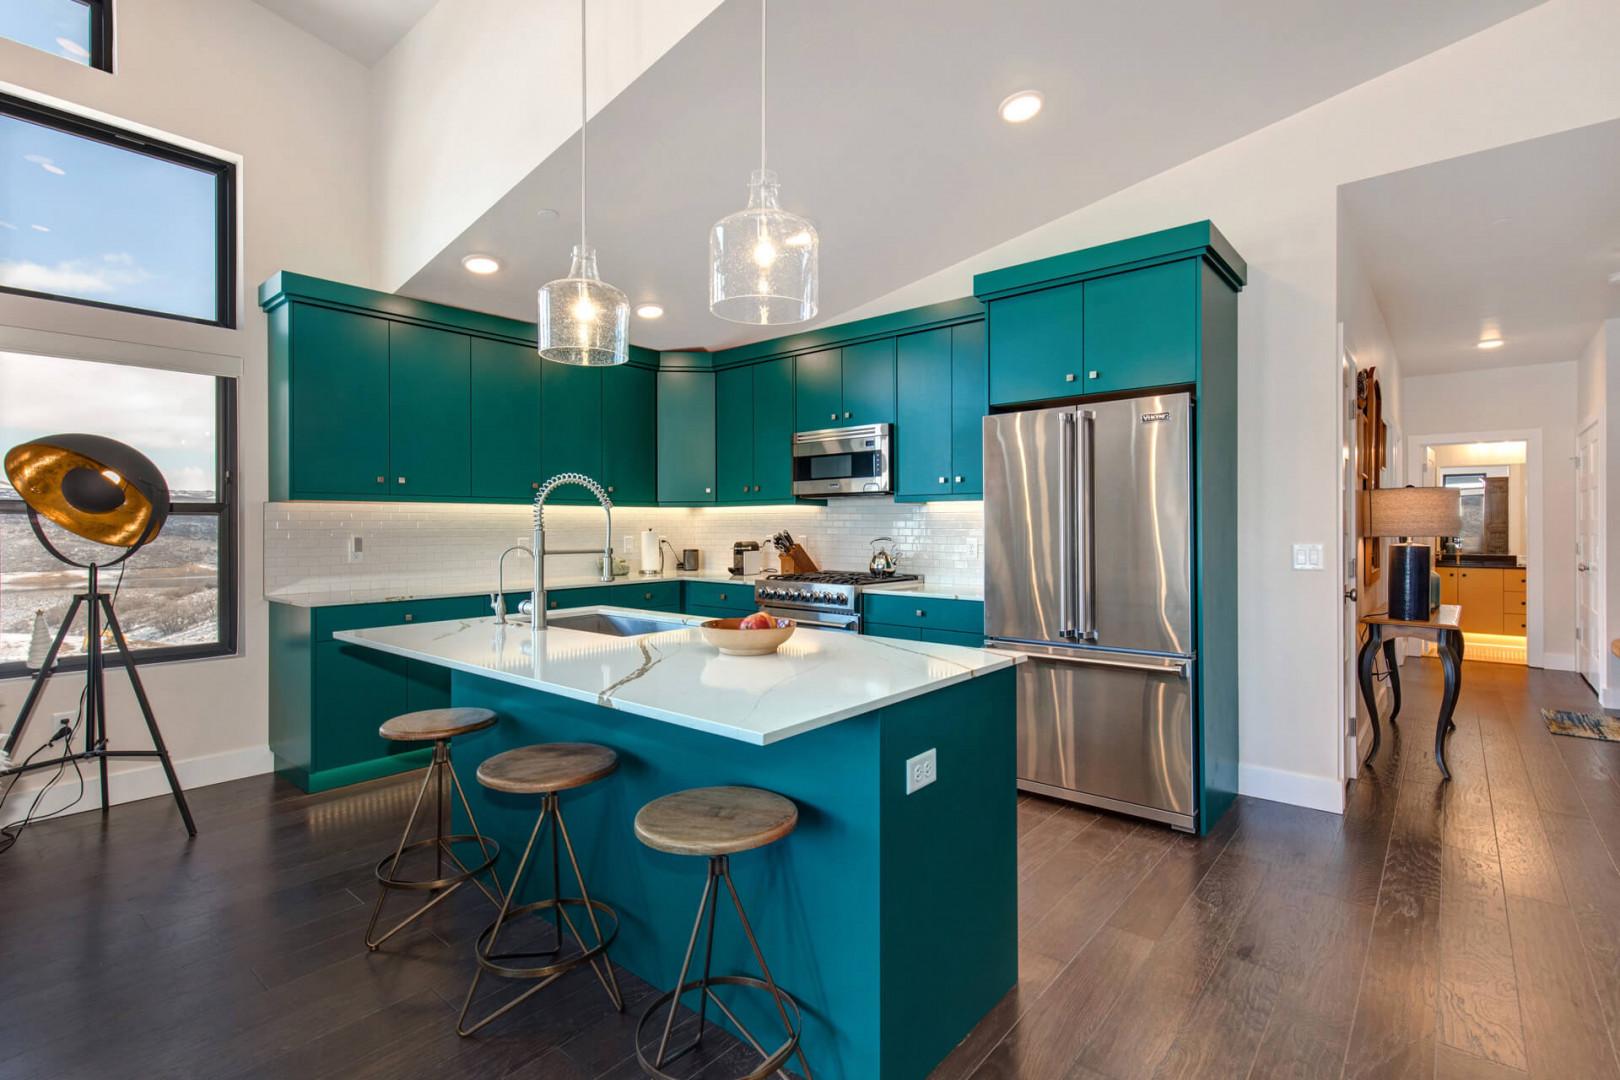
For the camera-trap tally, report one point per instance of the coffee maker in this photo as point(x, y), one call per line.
point(746, 558)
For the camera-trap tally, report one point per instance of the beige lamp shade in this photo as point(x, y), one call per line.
point(1414, 511)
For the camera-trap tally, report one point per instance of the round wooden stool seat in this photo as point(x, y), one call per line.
point(431, 725)
point(547, 767)
point(715, 821)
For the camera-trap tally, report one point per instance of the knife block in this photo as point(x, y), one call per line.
point(796, 560)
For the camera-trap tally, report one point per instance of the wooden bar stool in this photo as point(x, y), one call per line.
point(717, 823)
point(545, 770)
point(439, 725)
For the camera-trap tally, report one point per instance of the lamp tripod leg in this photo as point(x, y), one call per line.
point(151, 721)
point(43, 676)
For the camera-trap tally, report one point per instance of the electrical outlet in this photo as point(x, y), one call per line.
point(973, 547)
point(357, 548)
point(921, 770)
point(1308, 557)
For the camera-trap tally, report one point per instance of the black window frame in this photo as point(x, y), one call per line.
point(224, 173)
point(100, 17)
point(225, 508)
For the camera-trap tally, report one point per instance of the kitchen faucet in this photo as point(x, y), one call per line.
point(497, 599)
point(537, 597)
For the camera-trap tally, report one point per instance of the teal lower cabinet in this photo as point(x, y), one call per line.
point(944, 622)
point(917, 633)
point(327, 699)
point(708, 597)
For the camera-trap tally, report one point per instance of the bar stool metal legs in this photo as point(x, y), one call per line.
point(442, 885)
point(558, 906)
point(786, 1008)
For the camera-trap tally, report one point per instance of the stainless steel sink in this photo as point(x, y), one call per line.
point(613, 625)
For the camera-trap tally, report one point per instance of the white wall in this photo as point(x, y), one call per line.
point(1532, 397)
point(480, 92)
point(232, 76)
point(1273, 193)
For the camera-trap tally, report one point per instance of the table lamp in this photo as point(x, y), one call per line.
point(1404, 513)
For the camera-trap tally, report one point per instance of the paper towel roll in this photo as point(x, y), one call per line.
point(649, 552)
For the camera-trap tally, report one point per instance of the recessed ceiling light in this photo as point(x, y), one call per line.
point(1022, 106)
point(1491, 343)
point(546, 213)
point(480, 264)
point(1614, 278)
point(649, 311)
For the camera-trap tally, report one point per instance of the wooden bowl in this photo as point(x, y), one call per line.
point(724, 635)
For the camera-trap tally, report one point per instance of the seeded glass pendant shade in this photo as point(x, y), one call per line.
point(763, 265)
point(764, 261)
point(583, 320)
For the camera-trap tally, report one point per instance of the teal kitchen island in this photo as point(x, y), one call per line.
point(891, 918)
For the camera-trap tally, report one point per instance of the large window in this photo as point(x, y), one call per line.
point(95, 215)
point(76, 30)
point(175, 597)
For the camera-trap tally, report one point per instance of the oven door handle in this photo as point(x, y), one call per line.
point(853, 624)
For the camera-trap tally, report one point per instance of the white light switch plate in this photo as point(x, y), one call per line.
point(921, 770)
point(1307, 556)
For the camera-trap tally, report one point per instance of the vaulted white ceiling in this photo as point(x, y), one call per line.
point(364, 29)
point(883, 128)
point(1521, 239)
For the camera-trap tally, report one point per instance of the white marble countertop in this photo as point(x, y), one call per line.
point(431, 591)
point(932, 591)
point(818, 677)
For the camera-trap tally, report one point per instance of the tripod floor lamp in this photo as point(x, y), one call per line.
point(102, 490)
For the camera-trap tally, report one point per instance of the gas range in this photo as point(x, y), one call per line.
point(829, 599)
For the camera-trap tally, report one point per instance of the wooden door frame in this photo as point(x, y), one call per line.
point(1534, 560)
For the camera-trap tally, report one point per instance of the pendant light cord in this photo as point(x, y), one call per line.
point(761, 86)
point(582, 55)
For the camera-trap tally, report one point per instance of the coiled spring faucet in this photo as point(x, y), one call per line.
point(537, 598)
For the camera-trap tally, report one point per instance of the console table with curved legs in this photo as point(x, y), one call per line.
point(1444, 629)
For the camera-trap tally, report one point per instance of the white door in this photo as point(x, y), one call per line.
point(1588, 558)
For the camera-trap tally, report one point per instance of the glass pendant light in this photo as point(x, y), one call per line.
point(583, 320)
point(763, 261)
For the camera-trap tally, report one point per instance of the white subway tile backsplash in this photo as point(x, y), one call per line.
point(442, 546)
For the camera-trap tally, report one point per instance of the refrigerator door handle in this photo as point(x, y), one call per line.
point(1086, 554)
point(1066, 521)
point(1179, 665)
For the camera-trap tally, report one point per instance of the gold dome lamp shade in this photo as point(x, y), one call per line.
point(94, 487)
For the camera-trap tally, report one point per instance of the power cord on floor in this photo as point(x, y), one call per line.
point(9, 834)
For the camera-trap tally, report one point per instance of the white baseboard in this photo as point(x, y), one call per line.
point(1298, 789)
point(1558, 661)
point(130, 784)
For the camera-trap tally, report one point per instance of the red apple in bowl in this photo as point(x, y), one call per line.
point(757, 621)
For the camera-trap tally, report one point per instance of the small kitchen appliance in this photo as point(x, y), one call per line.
point(827, 599)
point(690, 559)
point(746, 558)
point(843, 461)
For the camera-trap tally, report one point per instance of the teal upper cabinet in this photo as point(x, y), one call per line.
point(629, 441)
point(942, 401)
point(686, 437)
point(846, 387)
point(773, 430)
point(754, 432)
point(1035, 345)
point(331, 370)
point(428, 380)
point(869, 382)
point(820, 387)
point(734, 434)
point(1111, 319)
point(923, 424)
point(970, 400)
point(1141, 328)
point(505, 410)
point(570, 426)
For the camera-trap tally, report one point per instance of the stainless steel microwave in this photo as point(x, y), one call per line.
point(843, 461)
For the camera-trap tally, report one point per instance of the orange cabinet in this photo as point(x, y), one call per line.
point(1448, 585)
point(1479, 591)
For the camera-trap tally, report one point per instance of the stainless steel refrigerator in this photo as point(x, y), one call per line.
point(1089, 573)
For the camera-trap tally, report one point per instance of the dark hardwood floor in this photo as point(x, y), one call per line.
point(1448, 931)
